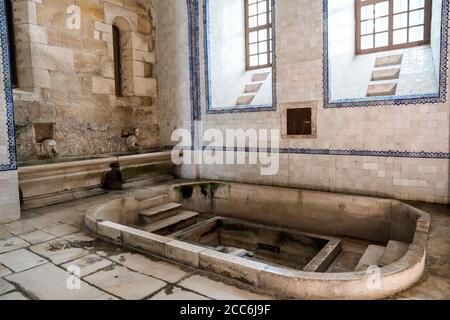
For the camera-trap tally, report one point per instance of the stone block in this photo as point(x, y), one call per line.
point(144, 25)
point(102, 85)
point(145, 87)
point(102, 27)
point(142, 69)
point(24, 12)
point(140, 55)
point(140, 41)
point(52, 58)
point(110, 230)
point(144, 240)
point(239, 268)
point(184, 252)
point(112, 11)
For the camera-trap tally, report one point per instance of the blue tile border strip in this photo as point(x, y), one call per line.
point(335, 152)
point(5, 56)
point(194, 58)
point(440, 97)
point(244, 108)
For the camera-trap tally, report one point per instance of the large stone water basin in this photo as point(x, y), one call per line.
point(289, 242)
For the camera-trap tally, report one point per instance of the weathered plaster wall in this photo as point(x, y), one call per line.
point(66, 76)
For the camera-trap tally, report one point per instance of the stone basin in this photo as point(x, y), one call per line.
point(250, 232)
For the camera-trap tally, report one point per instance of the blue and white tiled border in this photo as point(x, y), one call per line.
point(207, 66)
point(7, 104)
point(439, 97)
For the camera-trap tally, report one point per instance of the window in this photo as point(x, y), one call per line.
point(258, 28)
point(117, 61)
point(391, 24)
point(299, 122)
point(12, 51)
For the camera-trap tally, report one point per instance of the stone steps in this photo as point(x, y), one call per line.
point(386, 89)
point(153, 202)
point(395, 250)
point(257, 77)
point(388, 61)
point(180, 220)
point(245, 100)
point(253, 87)
point(371, 257)
point(160, 212)
point(386, 74)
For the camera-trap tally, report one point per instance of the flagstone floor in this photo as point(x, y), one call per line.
point(38, 253)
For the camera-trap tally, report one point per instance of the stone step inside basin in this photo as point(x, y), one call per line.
point(173, 223)
point(160, 212)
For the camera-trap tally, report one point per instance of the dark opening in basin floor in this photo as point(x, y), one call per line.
point(262, 243)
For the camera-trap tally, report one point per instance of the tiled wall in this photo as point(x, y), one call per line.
point(397, 131)
point(9, 194)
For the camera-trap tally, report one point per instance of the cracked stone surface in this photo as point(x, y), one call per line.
point(58, 251)
point(5, 286)
point(177, 293)
point(49, 282)
point(4, 271)
point(157, 269)
point(88, 264)
point(20, 260)
point(61, 230)
point(125, 283)
point(15, 295)
point(12, 244)
point(218, 290)
point(37, 236)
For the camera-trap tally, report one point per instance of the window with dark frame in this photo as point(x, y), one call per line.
point(11, 43)
point(258, 31)
point(392, 24)
point(299, 122)
point(117, 61)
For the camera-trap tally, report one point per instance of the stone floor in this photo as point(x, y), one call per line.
point(48, 255)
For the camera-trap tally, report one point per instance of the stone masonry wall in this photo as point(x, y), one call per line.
point(66, 76)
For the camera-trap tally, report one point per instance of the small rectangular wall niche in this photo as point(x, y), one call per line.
point(299, 122)
point(43, 131)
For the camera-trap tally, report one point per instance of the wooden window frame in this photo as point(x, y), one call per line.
point(11, 43)
point(248, 30)
point(391, 46)
point(117, 61)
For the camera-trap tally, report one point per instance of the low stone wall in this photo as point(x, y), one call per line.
point(47, 184)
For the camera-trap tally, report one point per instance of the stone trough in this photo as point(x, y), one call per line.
point(288, 242)
point(43, 184)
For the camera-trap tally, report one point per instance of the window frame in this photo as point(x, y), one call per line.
point(391, 46)
point(11, 43)
point(269, 40)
